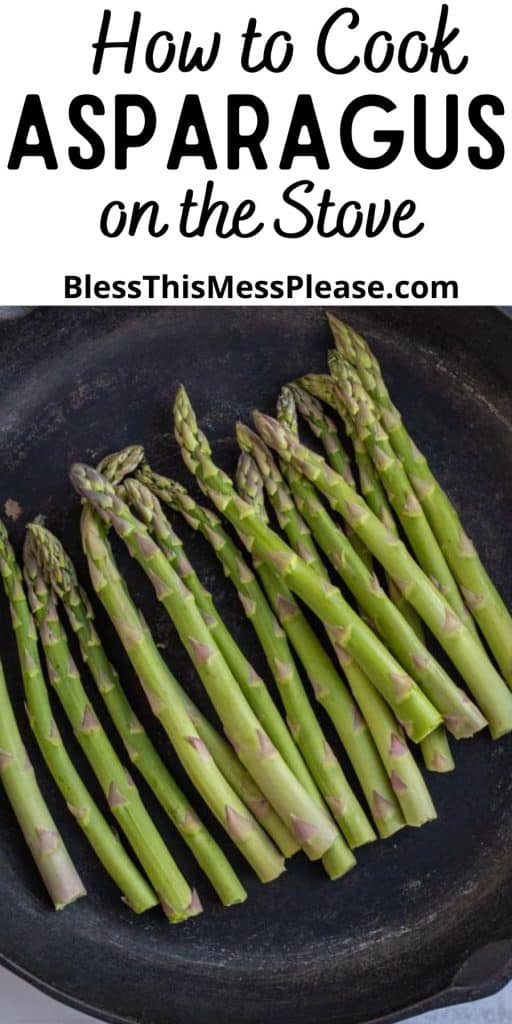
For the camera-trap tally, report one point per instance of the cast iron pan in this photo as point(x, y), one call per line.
point(423, 921)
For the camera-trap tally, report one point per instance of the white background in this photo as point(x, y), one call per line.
point(50, 218)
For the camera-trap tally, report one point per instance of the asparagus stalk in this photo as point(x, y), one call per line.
point(165, 700)
point(329, 688)
point(239, 779)
point(280, 660)
point(406, 778)
point(81, 806)
point(323, 677)
point(436, 752)
point(413, 709)
point(371, 436)
point(480, 593)
point(149, 510)
point(370, 485)
point(58, 568)
point(435, 749)
point(313, 829)
point(287, 514)
point(41, 835)
point(116, 467)
point(290, 399)
point(323, 428)
point(464, 651)
point(327, 771)
point(178, 900)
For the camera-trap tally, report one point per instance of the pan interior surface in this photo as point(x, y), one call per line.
point(80, 383)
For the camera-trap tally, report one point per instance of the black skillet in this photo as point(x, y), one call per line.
point(424, 921)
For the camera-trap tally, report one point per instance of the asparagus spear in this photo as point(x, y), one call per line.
point(481, 595)
point(165, 699)
point(288, 402)
point(329, 688)
point(370, 485)
point(150, 511)
point(280, 660)
point(337, 860)
point(328, 773)
point(116, 467)
point(410, 704)
point(371, 436)
point(84, 810)
point(465, 652)
point(58, 568)
point(320, 386)
point(324, 428)
point(322, 674)
point(435, 748)
point(436, 752)
point(178, 900)
point(406, 778)
point(41, 835)
point(238, 778)
point(313, 829)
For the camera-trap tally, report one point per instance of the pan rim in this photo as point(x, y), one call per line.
point(447, 996)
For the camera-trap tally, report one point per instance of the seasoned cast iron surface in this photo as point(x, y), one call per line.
point(78, 383)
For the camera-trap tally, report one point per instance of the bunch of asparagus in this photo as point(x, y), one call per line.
point(273, 781)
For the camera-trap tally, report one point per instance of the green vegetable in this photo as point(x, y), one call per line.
point(338, 859)
point(313, 829)
point(42, 837)
point(372, 438)
point(461, 716)
point(81, 806)
point(406, 778)
point(150, 511)
point(116, 467)
point(165, 700)
point(323, 677)
point(412, 707)
point(60, 573)
point(178, 901)
point(435, 748)
point(480, 593)
point(489, 690)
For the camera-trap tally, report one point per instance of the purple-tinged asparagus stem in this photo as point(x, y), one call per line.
point(178, 900)
point(435, 748)
point(466, 653)
point(481, 596)
point(314, 830)
point(412, 707)
point(273, 640)
point(165, 698)
point(56, 565)
point(326, 683)
point(41, 834)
